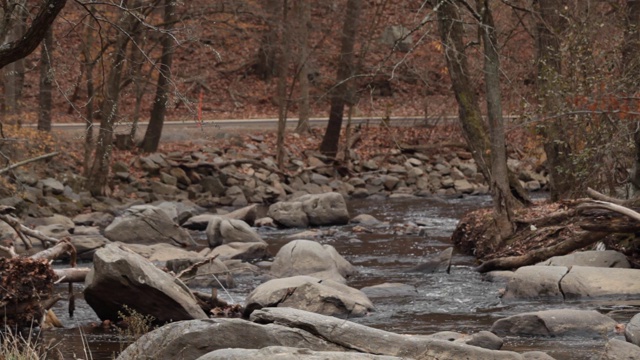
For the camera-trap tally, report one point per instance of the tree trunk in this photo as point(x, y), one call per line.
point(342, 90)
point(14, 74)
point(25, 45)
point(303, 13)
point(283, 65)
point(556, 147)
point(154, 130)
point(473, 126)
point(89, 65)
point(99, 173)
point(503, 201)
point(46, 82)
point(265, 66)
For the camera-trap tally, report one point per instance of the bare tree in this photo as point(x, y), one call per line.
point(631, 75)
point(154, 129)
point(46, 82)
point(265, 66)
point(283, 64)
point(342, 92)
point(303, 14)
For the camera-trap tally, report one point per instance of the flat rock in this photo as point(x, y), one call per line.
point(535, 282)
point(607, 259)
point(591, 282)
point(289, 353)
point(560, 322)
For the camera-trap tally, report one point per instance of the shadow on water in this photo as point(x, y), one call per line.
point(414, 227)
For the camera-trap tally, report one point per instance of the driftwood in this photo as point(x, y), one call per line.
point(71, 275)
point(22, 230)
point(195, 266)
point(18, 164)
point(64, 246)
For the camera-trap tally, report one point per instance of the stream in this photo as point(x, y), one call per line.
point(459, 301)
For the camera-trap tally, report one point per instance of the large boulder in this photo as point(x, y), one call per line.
point(289, 353)
point(242, 251)
point(607, 258)
point(620, 350)
point(311, 294)
point(316, 210)
point(121, 277)
point(632, 330)
point(222, 231)
point(146, 224)
point(246, 214)
point(306, 257)
point(584, 282)
point(536, 281)
point(188, 340)
point(560, 322)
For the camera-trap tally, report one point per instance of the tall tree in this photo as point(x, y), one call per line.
point(303, 14)
point(549, 63)
point(154, 129)
point(284, 56)
point(46, 83)
point(98, 175)
point(503, 201)
point(342, 92)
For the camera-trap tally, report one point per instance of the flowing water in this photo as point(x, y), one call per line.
point(415, 227)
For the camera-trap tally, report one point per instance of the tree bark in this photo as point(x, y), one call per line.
point(99, 173)
point(25, 45)
point(156, 122)
point(549, 61)
point(303, 13)
point(341, 93)
point(46, 83)
point(283, 64)
point(89, 64)
point(503, 201)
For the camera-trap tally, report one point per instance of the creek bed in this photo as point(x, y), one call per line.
point(459, 301)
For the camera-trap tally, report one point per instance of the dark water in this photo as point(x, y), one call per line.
point(459, 301)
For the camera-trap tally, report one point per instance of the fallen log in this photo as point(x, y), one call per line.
point(513, 262)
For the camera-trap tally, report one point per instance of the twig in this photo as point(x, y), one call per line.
point(18, 164)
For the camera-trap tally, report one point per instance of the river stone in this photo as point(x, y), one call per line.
point(204, 276)
point(121, 277)
point(365, 219)
point(485, 340)
point(146, 224)
point(591, 282)
point(86, 245)
point(242, 251)
point(51, 186)
point(374, 341)
point(436, 263)
point(200, 222)
point(100, 219)
point(607, 259)
point(620, 350)
point(289, 353)
point(535, 282)
point(390, 290)
point(560, 322)
point(632, 330)
point(56, 219)
point(233, 230)
point(328, 208)
point(188, 340)
point(306, 257)
point(311, 294)
point(536, 355)
point(57, 231)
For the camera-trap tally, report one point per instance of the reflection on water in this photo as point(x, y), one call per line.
point(415, 227)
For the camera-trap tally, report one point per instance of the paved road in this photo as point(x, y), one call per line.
point(183, 130)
